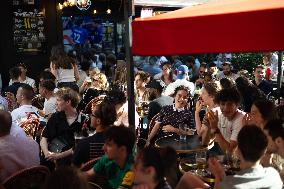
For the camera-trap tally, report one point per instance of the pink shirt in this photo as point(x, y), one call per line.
point(17, 153)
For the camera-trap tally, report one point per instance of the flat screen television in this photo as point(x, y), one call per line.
point(83, 31)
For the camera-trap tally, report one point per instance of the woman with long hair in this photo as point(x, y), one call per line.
point(64, 68)
point(167, 75)
point(151, 167)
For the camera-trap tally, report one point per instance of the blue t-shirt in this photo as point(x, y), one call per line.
point(79, 35)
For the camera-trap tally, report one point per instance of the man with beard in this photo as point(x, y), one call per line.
point(259, 80)
point(227, 72)
point(274, 131)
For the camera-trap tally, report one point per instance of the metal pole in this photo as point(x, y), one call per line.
point(128, 4)
point(279, 76)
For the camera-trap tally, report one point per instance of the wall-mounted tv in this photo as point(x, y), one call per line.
point(85, 31)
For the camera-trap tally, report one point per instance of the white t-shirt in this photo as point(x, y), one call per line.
point(65, 75)
point(22, 112)
point(230, 128)
point(49, 105)
point(28, 81)
point(253, 178)
point(232, 76)
point(16, 154)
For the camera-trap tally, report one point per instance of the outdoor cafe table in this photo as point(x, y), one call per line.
point(191, 145)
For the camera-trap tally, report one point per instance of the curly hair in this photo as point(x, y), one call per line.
point(102, 80)
point(182, 87)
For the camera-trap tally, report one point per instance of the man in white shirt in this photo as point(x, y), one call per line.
point(24, 99)
point(252, 144)
point(16, 153)
point(225, 122)
point(24, 78)
point(46, 88)
point(227, 72)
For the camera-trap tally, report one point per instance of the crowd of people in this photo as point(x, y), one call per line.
point(78, 112)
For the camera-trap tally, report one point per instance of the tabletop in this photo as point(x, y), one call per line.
point(191, 145)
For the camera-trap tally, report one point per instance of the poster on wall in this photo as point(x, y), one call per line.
point(28, 30)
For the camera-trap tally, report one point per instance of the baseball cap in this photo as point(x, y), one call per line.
point(182, 71)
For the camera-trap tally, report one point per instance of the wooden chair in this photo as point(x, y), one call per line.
point(29, 178)
point(88, 165)
point(94, 186)
point(98, 181)
point(92, 104)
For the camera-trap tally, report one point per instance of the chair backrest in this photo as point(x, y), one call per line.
point(152, 123)
point(98, 181)
point(92, 104)
point(29, 178)
point(88, 165)
point(94, 186)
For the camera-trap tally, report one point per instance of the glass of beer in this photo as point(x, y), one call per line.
point(200, 159)
point(139, 110)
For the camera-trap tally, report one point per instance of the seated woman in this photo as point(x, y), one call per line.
point(102, 117)
point(171, 116)
point(150, 169)
point(206, 99)
point(262, 111)
point(99, 87)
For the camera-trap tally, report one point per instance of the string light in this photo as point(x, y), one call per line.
point(95, 11)
point(108, 11)
point(80, 4)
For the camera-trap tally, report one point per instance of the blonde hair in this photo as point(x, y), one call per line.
point(102, 80)
point(68, 94)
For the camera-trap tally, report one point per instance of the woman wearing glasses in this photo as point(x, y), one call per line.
point(97, 86)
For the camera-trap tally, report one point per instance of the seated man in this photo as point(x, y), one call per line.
point(58, 138)
point(25, 110)
point(259, 80)
point(224, 122)
point(118, 158)
point(46, 88)
point(252, 144)
point(274, 131)
point(102, 118)
point(16, 153)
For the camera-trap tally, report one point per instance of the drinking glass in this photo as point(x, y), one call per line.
point(182, 132)
point(200, 159)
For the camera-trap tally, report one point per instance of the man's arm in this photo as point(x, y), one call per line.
point(89, 174)
point(153, 133)
point(225, 145)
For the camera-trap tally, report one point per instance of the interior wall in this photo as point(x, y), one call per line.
point(35, 62)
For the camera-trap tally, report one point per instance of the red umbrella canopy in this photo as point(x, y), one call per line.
point(223, 26)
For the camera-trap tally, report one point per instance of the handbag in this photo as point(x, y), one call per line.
point(57, 145)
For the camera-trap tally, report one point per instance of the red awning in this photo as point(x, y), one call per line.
point(223, 26)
